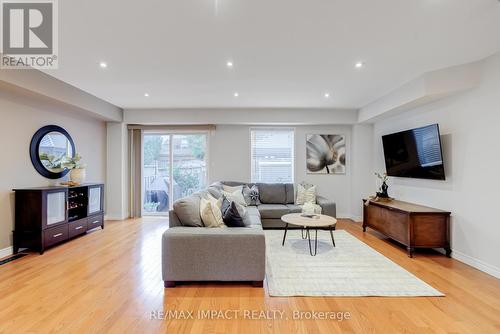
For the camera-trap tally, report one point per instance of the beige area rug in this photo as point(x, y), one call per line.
point(350, 269)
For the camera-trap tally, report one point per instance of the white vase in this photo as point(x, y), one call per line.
point(77, 175)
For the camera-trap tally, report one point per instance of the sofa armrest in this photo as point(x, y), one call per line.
point(328, 207)
point(213, 254)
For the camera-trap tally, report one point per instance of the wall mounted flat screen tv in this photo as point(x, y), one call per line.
point(414, 153)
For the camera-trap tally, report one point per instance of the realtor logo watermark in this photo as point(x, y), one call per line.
point(29, 34)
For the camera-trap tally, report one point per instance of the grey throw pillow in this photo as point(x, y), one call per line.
point(215, 191)
point(188, 211)
point(251, 195)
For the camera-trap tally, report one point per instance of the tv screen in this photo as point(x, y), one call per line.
point(414, 153)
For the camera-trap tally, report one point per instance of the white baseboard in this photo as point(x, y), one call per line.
point(473, 262)
point(6, 252)
point(476, 263)
point(350, 216)
point(357, 218)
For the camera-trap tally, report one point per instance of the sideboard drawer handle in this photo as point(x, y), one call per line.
point(78, 227)
point(57, 235)
point(95, 222)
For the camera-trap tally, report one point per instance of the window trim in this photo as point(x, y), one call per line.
point(269, 128)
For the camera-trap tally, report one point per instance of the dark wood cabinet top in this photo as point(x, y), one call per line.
point(57, 187)
point(406, 207)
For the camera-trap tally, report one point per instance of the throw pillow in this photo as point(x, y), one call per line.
point(188, 211)
point(210, 213)
point(310, 209)
point(231, 189)
point(236, 196)
point(231, 215)
point(215, 191)
point(216, 202)
point(243, 214)
point(251, 195)
point(305, 194)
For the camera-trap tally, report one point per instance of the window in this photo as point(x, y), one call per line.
point(272, 155)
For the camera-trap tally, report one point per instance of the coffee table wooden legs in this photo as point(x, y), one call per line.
point(284, 235)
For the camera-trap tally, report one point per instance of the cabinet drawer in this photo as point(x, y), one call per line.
point(56, 234)
point(94, 221)
point(77, 227)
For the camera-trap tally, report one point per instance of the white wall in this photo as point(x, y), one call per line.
point(230, 161)
point(117, 178)
point(362, 181)
point(470, 125)
point(21, 116)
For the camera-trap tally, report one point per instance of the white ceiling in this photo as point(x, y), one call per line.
point(287, 53)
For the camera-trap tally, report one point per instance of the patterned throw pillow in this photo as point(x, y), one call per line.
point(305, 194)
point(251, 195)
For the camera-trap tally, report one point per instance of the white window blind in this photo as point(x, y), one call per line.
point(272, 155)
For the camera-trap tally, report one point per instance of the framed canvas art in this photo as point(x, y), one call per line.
point(325, 154)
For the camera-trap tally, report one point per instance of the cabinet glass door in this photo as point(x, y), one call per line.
point(94, 200)
point(56, 207)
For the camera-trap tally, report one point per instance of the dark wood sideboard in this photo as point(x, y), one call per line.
point(46, 216)
point(414, 226)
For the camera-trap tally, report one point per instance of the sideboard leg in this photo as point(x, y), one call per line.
point(410, 251)
point(258, 284)
point(448, 251)
point(169, 284)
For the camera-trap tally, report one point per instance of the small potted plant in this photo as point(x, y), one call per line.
point(382, 193)
point(77, 172)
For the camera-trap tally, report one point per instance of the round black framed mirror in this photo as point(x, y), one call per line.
point(49, 146)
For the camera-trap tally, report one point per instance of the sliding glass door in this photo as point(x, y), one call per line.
point(174, 166)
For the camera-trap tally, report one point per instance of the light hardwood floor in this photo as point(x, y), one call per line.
point(109, 281)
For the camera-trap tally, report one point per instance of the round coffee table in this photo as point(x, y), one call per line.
point(308, 222)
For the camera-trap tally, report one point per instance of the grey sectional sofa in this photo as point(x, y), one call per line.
point(225, 254)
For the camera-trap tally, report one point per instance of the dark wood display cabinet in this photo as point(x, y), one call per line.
point(46, 216)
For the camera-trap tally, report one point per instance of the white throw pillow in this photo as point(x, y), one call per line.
point(310, 209)
point(210, 212)
point(236, 196)
point(305, 195)
point(230, 189)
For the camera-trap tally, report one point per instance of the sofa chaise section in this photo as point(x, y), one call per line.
point(213, 254)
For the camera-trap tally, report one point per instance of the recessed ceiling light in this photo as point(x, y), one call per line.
point(236, 94)
point(327, 95)
point(146, 94)
point(103, 64)
point(229, 64)
point(359, 64)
